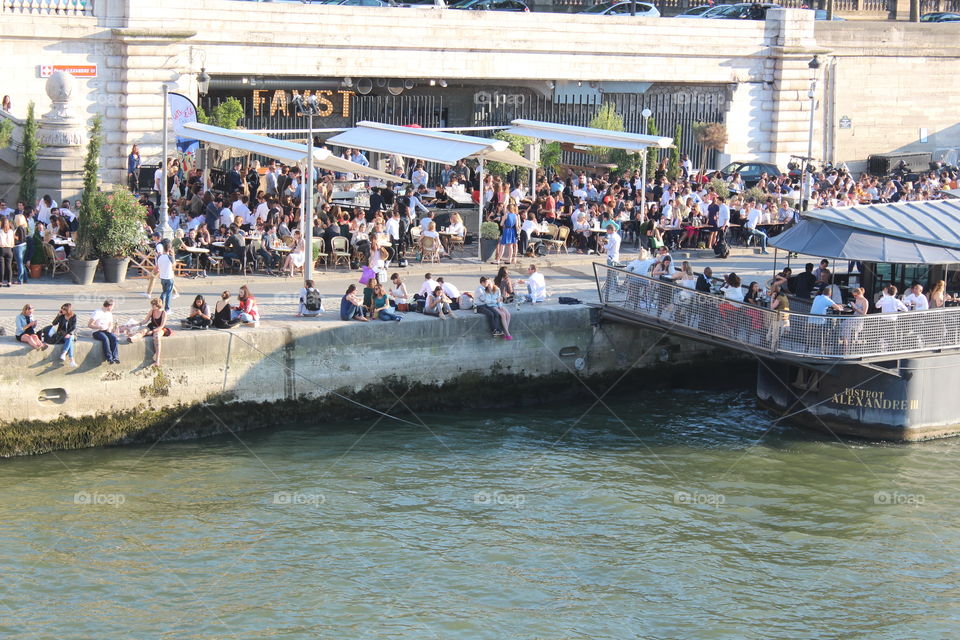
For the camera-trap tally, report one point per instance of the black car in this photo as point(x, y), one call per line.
point(750, 172)
point(940, 16)
point(490, 5)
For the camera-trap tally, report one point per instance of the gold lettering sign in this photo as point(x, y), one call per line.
point(851, 397)
point(278, 101)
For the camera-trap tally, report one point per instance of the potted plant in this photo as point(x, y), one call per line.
point(84, 258)
point(117, 231)
point(489, 236)
point(38, 257)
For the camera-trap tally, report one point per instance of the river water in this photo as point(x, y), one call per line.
point(678, 515)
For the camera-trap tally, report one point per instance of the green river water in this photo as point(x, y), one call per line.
point(676, 517)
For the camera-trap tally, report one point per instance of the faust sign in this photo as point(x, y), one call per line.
point(331, 103)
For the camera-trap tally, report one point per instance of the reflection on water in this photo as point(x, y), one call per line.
point(675, 516)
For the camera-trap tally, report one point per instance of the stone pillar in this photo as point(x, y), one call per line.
point(62, 137)
point(790, 115)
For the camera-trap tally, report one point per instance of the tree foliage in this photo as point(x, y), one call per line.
point(608, 119)
point(227, 113)
point(673, 164)
point(515, 143)
point(6, 133)
point(88, 213)
point(119, 223)
point(711, 136)
point(31, 151)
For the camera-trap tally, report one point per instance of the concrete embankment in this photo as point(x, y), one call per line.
point(220, 381)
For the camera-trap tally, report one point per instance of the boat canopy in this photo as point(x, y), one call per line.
point(926, 232)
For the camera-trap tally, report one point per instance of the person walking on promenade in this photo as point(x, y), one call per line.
point(165, 262)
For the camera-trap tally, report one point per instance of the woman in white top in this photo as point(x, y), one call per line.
point(687, 277)
point(296, 257)
point(7, 241)
point(731, 290)
point(456, 228)
point(398, 291)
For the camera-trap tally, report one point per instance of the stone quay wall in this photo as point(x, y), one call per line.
point(217, 381)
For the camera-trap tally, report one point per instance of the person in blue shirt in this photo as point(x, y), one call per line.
point(133, 169)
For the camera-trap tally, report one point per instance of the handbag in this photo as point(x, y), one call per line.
point(403, 307)
point(367, 275)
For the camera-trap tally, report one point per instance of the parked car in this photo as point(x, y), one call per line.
point(622, 8)
point(701, 11)
point(750, 172)
point(743, 11)
point(490, 5)
point(940, 16)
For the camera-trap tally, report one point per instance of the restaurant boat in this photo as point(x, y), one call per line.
point(883, 376)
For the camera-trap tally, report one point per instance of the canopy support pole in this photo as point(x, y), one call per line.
point(307, 201)
point(643, 195)
point(479, 207)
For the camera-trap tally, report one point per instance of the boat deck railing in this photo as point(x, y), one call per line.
point(759, 330)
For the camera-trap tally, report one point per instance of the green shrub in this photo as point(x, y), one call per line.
point(489, 231)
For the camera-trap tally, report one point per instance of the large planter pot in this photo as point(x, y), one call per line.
point(115, 269)
point(36, 271)
point(487, 249)
point(82, 271)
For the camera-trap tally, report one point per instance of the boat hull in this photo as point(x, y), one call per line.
point(914, 401)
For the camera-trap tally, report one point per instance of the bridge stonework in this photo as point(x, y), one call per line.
point(891, 82)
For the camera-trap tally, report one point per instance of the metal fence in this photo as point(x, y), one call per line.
point(48, 7)
point(759, 330)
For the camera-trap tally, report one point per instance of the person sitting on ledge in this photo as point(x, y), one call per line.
point(311, 304)
point(493, 318)
point(246, 312)
point(63, 331)
point(351, 305)
point(156, 328)
point(381, 305)
point(104, 330)
point(438, 304)
point(536, 284)
point(199, 315)
point(223, 313)
point(27, 329)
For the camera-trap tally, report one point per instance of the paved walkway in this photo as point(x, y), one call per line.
point(277, 297)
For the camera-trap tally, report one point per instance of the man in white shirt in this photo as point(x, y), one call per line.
point(420, 177)
point(451, 291)
point(240, 208)
point(226, 217)
point(753, 218)
point(723, 219)
point(916, 300)
point(429, 284)
point(536, 285)
point(518, 194)
point(103, 330)
point(888, 302)
point(165, 272)
point(426, 220)
point(263, 210)
point(44, 206)
point(157, 179)
point(392, 227)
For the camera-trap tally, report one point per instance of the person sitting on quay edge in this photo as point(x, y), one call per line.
point(368, 297)
point(381, 305)
point(156, 328)
point(438, 304)
point(223, 313)
point(492, 299)
point(27, 329)
point(536, 285)
point(398, 293)
point(247, 311)
point(63, 331)
point(199, 315)
point(104, 327)
point(493, 318)
point(351, 305)
point(505, 284)
point(311, 304)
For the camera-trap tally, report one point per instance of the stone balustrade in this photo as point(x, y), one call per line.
point(48, 7)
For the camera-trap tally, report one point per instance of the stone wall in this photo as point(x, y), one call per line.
point(307, 361)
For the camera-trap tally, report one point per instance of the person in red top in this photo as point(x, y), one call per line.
point(247, 311)
point(549, 209)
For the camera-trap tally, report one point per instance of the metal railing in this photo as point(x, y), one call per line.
point(48, 7)
point(760, 330)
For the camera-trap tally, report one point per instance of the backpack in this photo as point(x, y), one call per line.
point(721, 250)
point(312, 301)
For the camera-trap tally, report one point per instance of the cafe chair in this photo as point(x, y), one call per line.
point(340, 251)
point(558, 238)
point(57, 261)
point(429, 249)
point(321, 252)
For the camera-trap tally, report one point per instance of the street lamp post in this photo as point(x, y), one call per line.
point(806, 175)
point(646, 113)
point(164, 221)
point(307, 107)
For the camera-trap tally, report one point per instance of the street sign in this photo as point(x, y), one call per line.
point(845, 122)
point(76, 70)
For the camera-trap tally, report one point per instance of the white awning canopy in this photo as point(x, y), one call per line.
point(425, 144)
point(282, 150)
point(586, 136)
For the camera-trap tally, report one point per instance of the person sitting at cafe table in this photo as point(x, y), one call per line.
point(915, 300)
point(802, 284)
point(704, 280)
point(731, 288)
point(823, 302)
point(888, 302)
